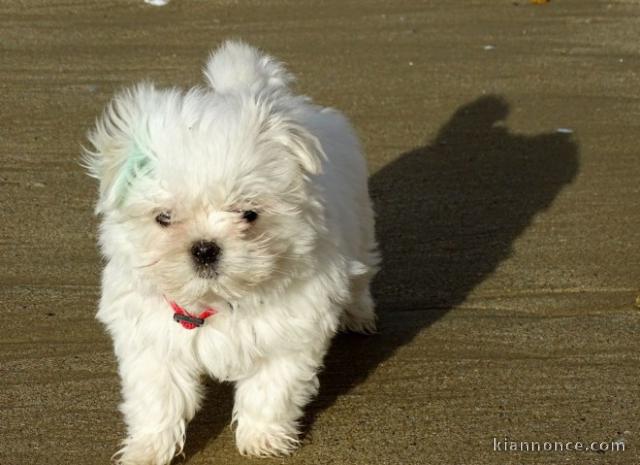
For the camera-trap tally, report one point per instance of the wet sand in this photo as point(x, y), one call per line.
point(511, 251)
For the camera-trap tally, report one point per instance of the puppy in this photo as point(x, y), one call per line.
point(239, 237)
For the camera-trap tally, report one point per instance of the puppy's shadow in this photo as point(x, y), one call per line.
point(210, 421)
point(447, 216)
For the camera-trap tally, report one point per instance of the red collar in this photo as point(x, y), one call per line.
point(186, 319)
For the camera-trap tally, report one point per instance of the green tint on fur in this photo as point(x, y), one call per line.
point(138, 164)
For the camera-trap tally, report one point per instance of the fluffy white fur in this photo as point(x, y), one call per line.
point(283, 284)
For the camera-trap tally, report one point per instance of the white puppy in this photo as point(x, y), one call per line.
point(239, 236)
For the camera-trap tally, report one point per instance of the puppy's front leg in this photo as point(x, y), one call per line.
point(269, 402)
point(161, 394)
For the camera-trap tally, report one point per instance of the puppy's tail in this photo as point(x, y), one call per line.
point(236, 66)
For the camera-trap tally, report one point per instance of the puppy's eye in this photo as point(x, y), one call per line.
point(164, 219)
point(249, 216)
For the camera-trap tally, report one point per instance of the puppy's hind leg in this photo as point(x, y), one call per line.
point(360, 315)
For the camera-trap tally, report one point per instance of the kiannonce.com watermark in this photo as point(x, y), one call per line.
point(509, 445)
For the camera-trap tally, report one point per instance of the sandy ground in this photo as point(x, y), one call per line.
point(511, 249)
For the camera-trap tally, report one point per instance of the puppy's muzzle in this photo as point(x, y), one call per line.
point(205, 254)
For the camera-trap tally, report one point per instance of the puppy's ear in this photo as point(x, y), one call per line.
point(236, 66)
point(120, 145)
point(276, 127)
point(304, 146)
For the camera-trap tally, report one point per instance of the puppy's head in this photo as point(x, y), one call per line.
point(206, 193)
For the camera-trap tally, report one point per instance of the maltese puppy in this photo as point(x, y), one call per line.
point(239, 237)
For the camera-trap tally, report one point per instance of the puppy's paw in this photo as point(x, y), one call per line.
point(147, 450)
point(359, 319)
point(266, 440)
point(358, 324)
point(360, 316)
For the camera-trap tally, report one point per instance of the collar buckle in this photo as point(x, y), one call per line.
point(194, 320)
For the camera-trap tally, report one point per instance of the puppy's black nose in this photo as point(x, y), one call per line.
point(205, 252)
